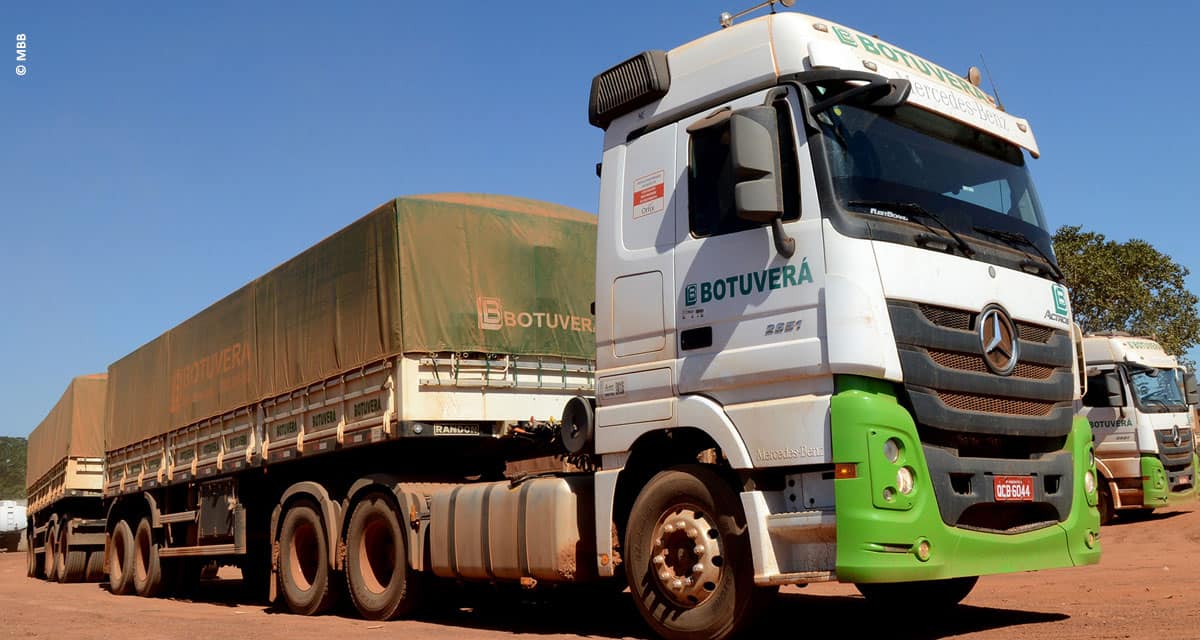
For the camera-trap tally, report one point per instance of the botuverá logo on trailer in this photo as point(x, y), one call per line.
point(493, 317)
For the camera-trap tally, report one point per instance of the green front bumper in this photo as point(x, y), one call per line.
point(1156, 488)
point(883, 534)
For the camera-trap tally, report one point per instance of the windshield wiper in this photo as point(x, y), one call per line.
point(918, 212)
point(1016, 238)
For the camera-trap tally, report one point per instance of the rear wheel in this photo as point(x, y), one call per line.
point(688, 556)
point(378, 576)
point(304, 561)
point(147, 570)
point(94, 571)
point(50, 562)
point(930, 594)
point(31, 558)
point(73, 562)
point(120, 560)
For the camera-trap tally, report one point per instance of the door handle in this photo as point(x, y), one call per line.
point(697, 338)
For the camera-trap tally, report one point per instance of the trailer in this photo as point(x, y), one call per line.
point(427, 343)
point(64, 476)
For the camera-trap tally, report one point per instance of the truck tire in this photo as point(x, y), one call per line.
point(50, 554)
point(31, 570)
point(120, 560)
point(928, 594)
point(378, 576)
point(147, 568)
point(73, 562)
point(1105, 504)
point(680, 592)
point(94, 571)
point(304, 561)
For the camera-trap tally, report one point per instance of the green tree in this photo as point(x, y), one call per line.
point(12, 468)
point(1127, 286)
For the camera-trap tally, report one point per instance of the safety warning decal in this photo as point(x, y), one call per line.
point(649, 194)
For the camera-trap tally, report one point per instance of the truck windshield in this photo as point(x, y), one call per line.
point(977, 183)
point(1158, 390)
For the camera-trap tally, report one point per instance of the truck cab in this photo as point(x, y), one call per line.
point(823, 258)
point(1138, 403)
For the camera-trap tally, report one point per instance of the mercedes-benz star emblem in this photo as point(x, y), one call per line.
point(1176, 436)
point(998, 337)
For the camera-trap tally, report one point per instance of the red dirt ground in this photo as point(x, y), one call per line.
point(1146, 586)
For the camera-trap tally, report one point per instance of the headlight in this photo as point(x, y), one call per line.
point(1089, 482)
point(891, 450)
point(905, 481)
point(1091, 458)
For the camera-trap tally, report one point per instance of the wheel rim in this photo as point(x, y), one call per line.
point(686, 555)
point(377, 555)
point(142, 566)
point(303, 556)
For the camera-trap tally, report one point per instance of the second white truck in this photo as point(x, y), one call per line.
point(1138, 405)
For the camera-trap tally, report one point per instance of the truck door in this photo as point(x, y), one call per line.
point(1113, 429)
point(747, 318)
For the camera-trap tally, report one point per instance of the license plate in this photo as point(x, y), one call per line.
point(1183, 480)
point(1013, 488)
point(456, 430)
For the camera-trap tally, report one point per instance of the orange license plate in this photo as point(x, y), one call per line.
point(1013, 488)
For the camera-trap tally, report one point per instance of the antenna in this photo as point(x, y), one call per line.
point(995, 90)
point(727, 19)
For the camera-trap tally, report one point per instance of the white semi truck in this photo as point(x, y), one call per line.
point(1138, 402)
point(12, 524)
point(829, 343)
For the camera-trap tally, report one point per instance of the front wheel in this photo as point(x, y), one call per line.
point(1105, 504)
point(930, 594)
point(688, 559)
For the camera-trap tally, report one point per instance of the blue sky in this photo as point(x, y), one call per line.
point(156, 156)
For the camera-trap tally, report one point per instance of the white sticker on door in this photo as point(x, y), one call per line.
point(649, 194)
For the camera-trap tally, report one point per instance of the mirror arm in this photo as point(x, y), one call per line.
point(784, 244)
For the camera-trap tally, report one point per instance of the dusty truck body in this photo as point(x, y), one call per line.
point(12, 524)
point(64, 475)
point(830, 342)
point(1139, 402)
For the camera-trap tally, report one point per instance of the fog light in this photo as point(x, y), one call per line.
point(891, 450)
point(1091, 539)
point(889, 494)
point(923, 550)
point(1089, 482)
point(905, 481)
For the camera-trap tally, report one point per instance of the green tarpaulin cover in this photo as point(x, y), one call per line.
point(72, 429)
point(422, 274)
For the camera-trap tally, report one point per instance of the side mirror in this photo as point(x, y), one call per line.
point(1112, 390)
point(1190, 388)
point(758, 191)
